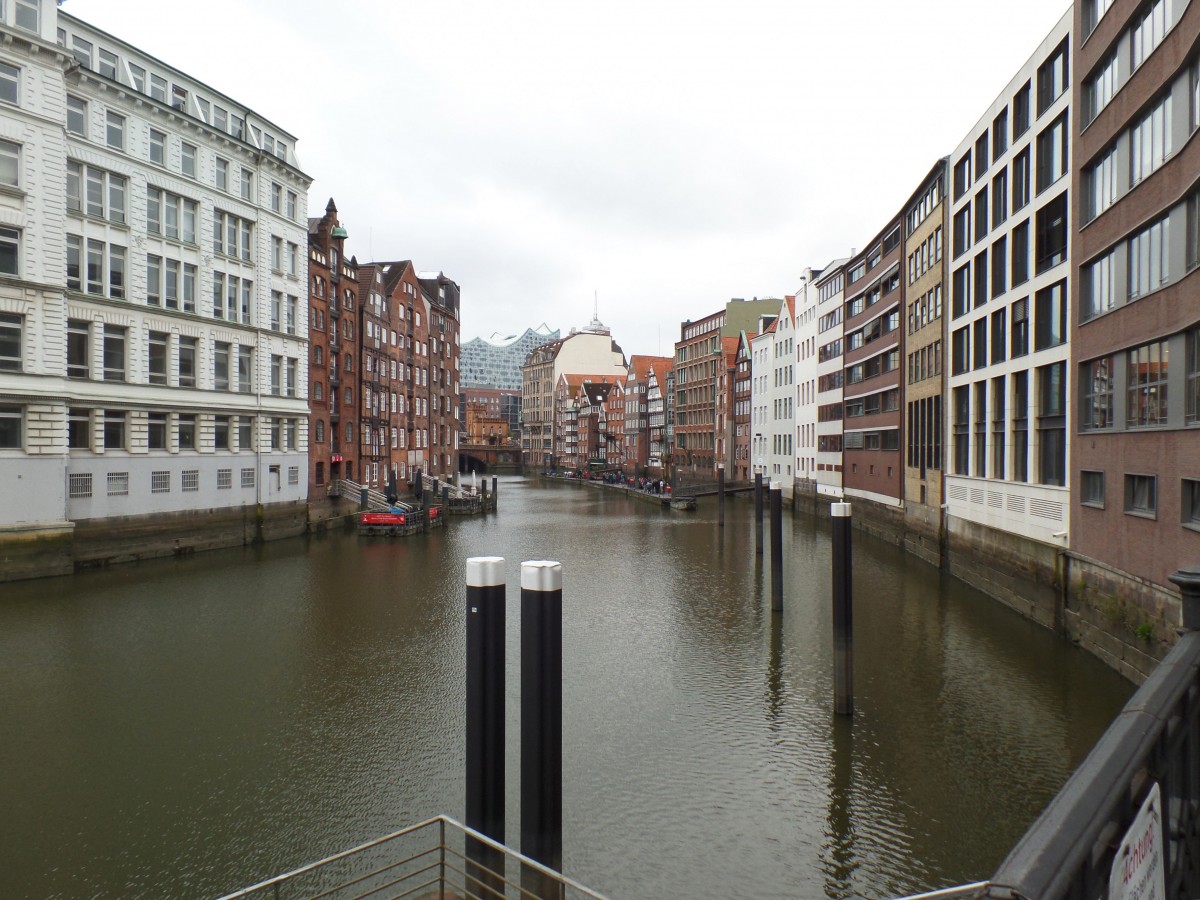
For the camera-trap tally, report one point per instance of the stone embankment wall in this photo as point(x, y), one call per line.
point(1127, 622)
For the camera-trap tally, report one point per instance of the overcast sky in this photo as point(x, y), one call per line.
point(663, 156)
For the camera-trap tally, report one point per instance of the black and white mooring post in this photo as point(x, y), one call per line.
point(721, 495)
point(843, 612)
point(541, 722)
point(776, 548)
point(483, 495)
point(485, 708)
point(758, 513)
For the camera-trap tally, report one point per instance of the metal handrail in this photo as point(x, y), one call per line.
point(963, 890)
point(462, 870)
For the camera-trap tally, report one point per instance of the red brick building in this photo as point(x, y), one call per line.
point(332, 300)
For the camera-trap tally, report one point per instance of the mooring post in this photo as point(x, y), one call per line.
point(485, 718)
point(1188, 579)
point(776, 548)
point(445, 500)
point(362, 500)
point(435, 486)
point(758, 514)
point(721, 495)
point(843, 612)
point(495, 496)
point(541, 723)
point(483, 495)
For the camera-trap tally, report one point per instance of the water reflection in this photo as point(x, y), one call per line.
point(182, 728)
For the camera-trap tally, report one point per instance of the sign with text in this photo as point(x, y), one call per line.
point(1139, 870)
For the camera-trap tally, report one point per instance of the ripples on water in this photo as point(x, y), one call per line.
point(181, 729)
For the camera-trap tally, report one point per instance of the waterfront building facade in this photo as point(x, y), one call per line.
point(831, 286)
point(141, 370)
point(924, 279)
point(699, 362)
point(872, 383)
point(807, 315)
point(1009, 288)
point(743, 409)
point(497, 404)
point(776, 383)
point(643, 371)
point(332, 298)
point(496, 361)
point(582, 352)
point(442, 362)
point(1135, 456)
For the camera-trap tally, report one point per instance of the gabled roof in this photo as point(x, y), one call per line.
point(641, 365)
point(729, 348)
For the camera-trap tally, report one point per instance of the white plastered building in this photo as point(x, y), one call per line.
point(153, 287)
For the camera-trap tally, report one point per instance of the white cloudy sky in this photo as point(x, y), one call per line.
point(665, 155)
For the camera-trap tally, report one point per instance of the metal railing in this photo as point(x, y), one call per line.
point(376, 500)
point(432, 859)
point(964, 890)
point(1069, 850)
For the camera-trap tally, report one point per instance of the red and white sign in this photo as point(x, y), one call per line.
point(1139, 870)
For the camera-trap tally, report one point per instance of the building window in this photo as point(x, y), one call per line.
point(170, 215)
point(1021, 253)
point(160, 482)
point(10, 243)
point(1051, 237)
point(158, 147)
point(224, 479)
point(1141, 495)
point(1146, 369)
point(1097, 294)
point(118, 484)
point(1150, 29)
point(1100, 182)
point(10, 77)
point(190, 480)
point(1097, 390)
point(10, 427)
point(79, 484)
point(114, 353)
point(1000, 198)
point(1191, 383)
point(247, 184)
point(962, 437)
point(157, 357)
point(232, 235)
point(1093, 11)
point(76, 110)
point(79, 429)
point(186, 363)
point(156, 431)
point(10, 163)
point(1052, 431)
point(1149, 258)
point(185, 432)
point(1053, 78)
point(1052, 153)
point(1021, 111)
point(222, 174)
point(245, 434)
point(291, 205)
point(115, 130)
point(1150, 141)
point(1020, 426)
point(27, 16)
point(1091, 488)
point(1020, 180)
point(97, 193)
point(1050, 323)
point(115, 430)
point(245, 368)
point(276, 197)
point(1100, 87)
point(78, 357)
point(11, 327)
point(1190, 502)
point(187, 159)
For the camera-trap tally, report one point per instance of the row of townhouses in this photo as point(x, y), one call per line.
point(1012, 359)
point(176, 336)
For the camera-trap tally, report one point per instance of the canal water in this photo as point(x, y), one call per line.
point(182, 728)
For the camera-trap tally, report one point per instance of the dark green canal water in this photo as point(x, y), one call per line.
point(185, 728)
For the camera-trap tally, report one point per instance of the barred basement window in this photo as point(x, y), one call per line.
point(79, 484)
point(293, 474)
point(191, 479)
point(118, 484)
point(224, 479)
point(160, 482)
point(247, 478)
